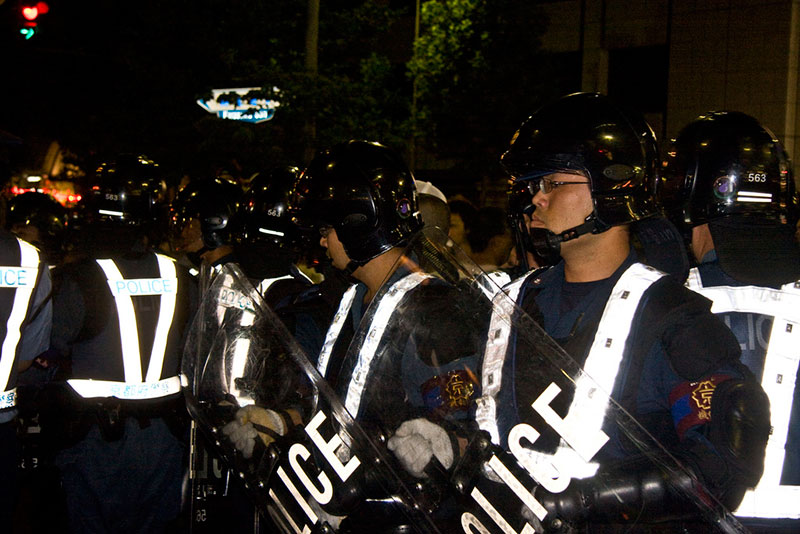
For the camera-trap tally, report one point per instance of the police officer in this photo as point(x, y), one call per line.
point(119, 316)
point(202, 221)
point(26, 318)
point(590, 165)
point(41, 221)
point(728, 184)
point(269, 244)
point(395, 342)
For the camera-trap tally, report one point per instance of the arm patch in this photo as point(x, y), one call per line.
point(690, 402)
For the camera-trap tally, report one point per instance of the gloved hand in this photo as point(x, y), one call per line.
point(251, 422)
point(416, 441)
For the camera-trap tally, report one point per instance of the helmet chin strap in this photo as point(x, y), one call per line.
point(548, 244)
point(351, 266)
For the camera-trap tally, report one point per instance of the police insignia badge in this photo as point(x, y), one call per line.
point(690, 402)
point(451, 392)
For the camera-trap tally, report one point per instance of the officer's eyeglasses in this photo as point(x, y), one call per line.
point(325, 231)
point(546, 185)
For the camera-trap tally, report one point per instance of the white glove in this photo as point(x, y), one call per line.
point(243, 434)
point(416, 441)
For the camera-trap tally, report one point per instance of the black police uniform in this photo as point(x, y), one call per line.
point(122, 321)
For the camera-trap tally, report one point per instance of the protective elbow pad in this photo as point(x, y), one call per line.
point(740, 427)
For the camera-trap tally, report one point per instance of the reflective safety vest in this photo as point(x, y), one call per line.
point(375, 330)
point(491, 283)
point(265, 284)
point(135, 386)
point(22, 280)
point(593, 386)
point(769, 499)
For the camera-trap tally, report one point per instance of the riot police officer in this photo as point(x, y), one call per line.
point(119, 316)
point(728, 184)
point(400, 346)
point(202, 221)
point(635, 333)
point(26, 318)
point(269, 246)
point(40, 220)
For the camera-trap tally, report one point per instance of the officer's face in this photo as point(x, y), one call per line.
point(336, 252)
point(190, 238)
point(565, 206)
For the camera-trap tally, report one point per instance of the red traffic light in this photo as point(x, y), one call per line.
point(32, 12)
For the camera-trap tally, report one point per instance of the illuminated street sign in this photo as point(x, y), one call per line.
point(238, 104)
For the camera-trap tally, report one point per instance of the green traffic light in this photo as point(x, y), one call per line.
point(27, 32)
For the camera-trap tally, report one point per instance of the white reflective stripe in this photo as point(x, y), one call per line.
point(693, 280)
point(89, 389)
point(265, 283)
point(769, 499)
point(493, 282)
point(592, 388)
point(386, 306)
point(335, 328)
point(29, 258)
point(128, 328)
point(8, 398)
point(166, 312)
point(241, 350)
point(494, 356)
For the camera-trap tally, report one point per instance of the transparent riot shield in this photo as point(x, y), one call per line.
point(278, 425)
point(490, 439)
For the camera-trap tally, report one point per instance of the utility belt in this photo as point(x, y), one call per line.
point(66, 417)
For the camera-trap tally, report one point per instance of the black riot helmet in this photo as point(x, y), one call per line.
point(589, 134)
point(264, 215)
point(123, 211)
point(211, 203)
point(42, 214)
point(727, 170)
point(365, 192)
point(126, 191)
point(726, 163)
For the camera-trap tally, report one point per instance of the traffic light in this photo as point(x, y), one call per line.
point(30, 17)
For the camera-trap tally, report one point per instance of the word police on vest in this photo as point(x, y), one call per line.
point(143, 286)
point(17, 276)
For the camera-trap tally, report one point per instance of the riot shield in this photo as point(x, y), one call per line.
point(240, 358)
point(408, 430)
point(430, 372)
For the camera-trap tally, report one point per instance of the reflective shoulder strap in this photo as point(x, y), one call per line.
point(335, 328)
point(608, 348)
point(24, 284)
point(166, 313)
point(380, 319)
point(494, 356)
point(264, 285)
point(494, 281)
point(693, 280)
point(128, 329)
point(581, 430)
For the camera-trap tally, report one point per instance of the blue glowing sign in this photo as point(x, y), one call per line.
point(244, 108)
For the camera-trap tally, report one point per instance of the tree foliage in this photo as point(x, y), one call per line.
point(479, 70)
